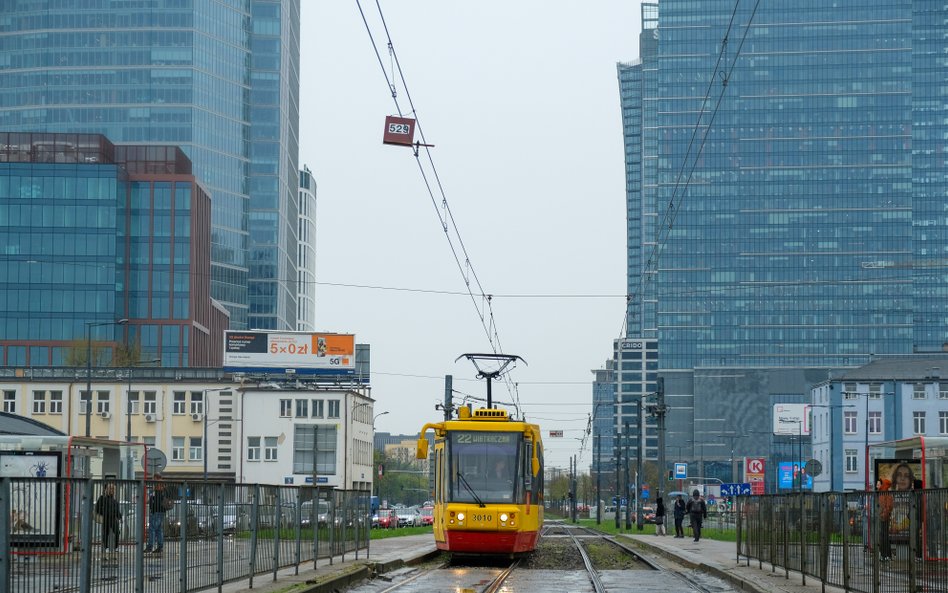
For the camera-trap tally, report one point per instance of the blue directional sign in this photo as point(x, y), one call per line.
point(681, 471)
point(735, 489)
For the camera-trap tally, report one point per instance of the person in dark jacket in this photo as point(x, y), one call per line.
point(660, 516)
point(107, 507)
point(679, 511)
point(698, 512)
point(158, 502)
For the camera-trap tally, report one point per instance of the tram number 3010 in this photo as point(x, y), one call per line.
point(484, 518)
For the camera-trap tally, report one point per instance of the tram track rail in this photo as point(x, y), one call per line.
point(667, 568)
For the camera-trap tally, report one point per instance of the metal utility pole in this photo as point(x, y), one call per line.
point(660, 410)
point(630, 495)
point(598, 478)
point(449, 396)
point(617, 447)
point(638, 460)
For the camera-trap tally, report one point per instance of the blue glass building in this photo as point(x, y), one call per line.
point(800, 173)
point(93, 232)
point(786, 189)
point(200, 74)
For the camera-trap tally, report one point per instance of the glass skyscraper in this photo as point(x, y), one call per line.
point(787, 182)
point(218, 79)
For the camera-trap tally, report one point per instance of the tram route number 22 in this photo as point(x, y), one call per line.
point(484, 518)
point(399, 129)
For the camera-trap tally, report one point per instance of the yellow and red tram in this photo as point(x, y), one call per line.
point(488, 482)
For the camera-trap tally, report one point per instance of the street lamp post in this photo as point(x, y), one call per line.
point(378, 486)
point(89, 326)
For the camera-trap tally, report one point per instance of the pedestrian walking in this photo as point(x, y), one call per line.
point(697, 511)
point(159, 502)
point(660, 516)
point(885, 515)
point(679, 511)
point(109, 514)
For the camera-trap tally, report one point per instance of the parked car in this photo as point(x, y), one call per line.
point(648, 514)
point(387, 519)
point(427, 516)
point(236, 517)
point(200, 521)
point(409, 517)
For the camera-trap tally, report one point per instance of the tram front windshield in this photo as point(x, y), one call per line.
point(484, 467)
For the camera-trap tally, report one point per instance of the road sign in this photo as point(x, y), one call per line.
point(154, 461)
point(813, 467)
point(681, 471)
point(735, 489)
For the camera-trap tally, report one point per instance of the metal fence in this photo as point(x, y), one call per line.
point(871, 542)
point(69, 534)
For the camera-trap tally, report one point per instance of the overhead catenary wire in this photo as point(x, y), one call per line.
point(484, 309)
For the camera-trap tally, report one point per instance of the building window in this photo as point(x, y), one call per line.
point(875, 391)
point(133, 402)
point(55, 402)
point(151, 403)
point(849, 391)
point(849, 422)
point(314, 442)
point(102, 402)
point(318, 408)
point(84, 399)
point(333, 408)
point(196, 452)
point(177, 448)
point(286, 408)
point(180, 405)
point(197, 402)
point(253, 448)
point(9, 402)
point(852, 461)
point(269, 448)
point(875, 422)
point(943, 391)
point(918, 422)
point(302, 408)
point(149, 442)
point(918, 392)
point(943, 422)
point(39, 402)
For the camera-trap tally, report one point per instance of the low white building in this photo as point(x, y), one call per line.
point(230, 430)
point(307, 435)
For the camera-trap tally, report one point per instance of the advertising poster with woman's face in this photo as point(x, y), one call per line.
point(898, 477)
point(902, 474)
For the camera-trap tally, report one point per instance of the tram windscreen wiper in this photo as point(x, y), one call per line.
point(477, 499)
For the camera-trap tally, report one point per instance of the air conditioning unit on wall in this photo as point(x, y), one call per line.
point(105, 415)
point(151, 417)
point(197, 417)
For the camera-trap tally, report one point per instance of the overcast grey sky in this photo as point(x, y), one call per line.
point(521, 102)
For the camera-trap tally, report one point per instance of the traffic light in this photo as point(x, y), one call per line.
point(671, 475)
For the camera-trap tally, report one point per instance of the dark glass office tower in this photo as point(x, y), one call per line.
point(200, 74)
point(800, 182)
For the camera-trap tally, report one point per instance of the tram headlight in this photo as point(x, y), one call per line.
point(503, 517)
point(460, 516)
